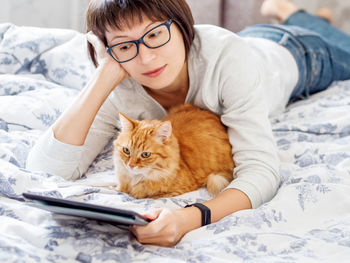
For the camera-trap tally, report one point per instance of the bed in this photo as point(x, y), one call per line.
point(41, 70)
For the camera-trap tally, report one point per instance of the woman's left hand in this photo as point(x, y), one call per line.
point(166, 229)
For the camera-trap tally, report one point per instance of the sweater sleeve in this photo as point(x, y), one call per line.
point(70, 161)
point(245, 113)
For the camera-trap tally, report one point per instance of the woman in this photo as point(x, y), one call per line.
point(157, 59)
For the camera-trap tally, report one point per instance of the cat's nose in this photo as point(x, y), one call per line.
point(132, 166)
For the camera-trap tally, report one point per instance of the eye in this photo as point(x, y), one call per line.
point(145, 155)
point(154, 34)
point(125, 47)
point(126, 151)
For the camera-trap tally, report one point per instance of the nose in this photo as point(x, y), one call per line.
point(131, 165)
point(146, 54)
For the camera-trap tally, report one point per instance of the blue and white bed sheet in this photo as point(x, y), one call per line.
point(41, 70)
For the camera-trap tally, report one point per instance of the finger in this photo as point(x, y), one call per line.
point(95, 41)
point(90, 37)
point(166, 239)
point(153, 215)
point(148, 231)
point(161, 232)
point(132, 229)
point(158, 242)
point(155, 228)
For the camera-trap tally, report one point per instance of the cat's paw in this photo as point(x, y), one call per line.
point(137, 195)
point(123, 188)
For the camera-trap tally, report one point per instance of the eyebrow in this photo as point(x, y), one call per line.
point(146, 29)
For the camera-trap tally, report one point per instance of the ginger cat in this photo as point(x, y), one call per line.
point(188, 149)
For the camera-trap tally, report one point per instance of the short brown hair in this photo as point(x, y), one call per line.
point(119, 13)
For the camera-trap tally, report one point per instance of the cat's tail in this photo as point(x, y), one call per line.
point(216, 183)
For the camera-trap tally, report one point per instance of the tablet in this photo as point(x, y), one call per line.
point(101, 213)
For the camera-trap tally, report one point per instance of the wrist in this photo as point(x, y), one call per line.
point(190, 218)
point(227, 202)
point(205, 211)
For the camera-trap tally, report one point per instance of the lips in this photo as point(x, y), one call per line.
point(155, 73)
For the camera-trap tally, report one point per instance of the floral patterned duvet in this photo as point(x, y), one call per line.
point(41, 70)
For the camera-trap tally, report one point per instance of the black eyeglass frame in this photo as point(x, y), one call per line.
point(140, 40)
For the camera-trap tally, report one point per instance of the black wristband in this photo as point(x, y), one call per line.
point(206, 213)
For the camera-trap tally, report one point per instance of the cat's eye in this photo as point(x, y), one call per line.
point(145, 155)
point(126, 150)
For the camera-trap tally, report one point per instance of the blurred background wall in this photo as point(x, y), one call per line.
point(44, 13)
point(236, 14)
point(233, 14)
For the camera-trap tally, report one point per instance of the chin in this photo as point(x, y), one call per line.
point(156, 86)
point(158, 83)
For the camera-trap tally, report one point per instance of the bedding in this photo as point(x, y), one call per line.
point(42, 70)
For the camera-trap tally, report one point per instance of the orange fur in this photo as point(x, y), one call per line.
point(192, 152)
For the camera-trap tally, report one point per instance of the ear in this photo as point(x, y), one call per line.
point(126, 123)
point(164, 131)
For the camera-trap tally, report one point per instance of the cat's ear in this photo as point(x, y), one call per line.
point(164, 131)
point(126, 123)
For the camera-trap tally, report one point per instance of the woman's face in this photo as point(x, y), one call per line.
point(159, 68)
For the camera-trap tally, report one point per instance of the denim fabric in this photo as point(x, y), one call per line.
point(321, 51)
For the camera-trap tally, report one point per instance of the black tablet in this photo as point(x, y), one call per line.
point(102, 213)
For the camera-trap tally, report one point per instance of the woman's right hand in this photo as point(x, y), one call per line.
point(114, 72)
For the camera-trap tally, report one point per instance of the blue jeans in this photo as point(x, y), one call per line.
point(322, 52)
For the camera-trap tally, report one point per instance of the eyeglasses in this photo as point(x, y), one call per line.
point(153, 38)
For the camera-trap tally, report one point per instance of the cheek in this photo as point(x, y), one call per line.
point(177, 45)
point(135, 70)
point(149, 162)
point(144, 163)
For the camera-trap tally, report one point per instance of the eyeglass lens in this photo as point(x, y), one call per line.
point(153, 39)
